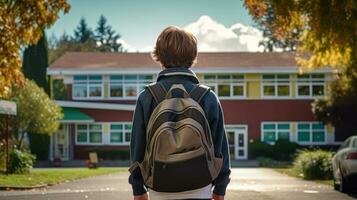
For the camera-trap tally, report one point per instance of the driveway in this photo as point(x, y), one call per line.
point(246, 184)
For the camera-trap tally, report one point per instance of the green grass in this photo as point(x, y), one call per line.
point(288, 170)
point(53, 176)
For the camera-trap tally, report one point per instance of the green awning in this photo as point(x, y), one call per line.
point(74, 115)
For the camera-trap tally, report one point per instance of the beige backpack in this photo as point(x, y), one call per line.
point(179, 152)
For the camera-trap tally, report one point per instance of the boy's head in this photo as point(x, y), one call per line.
point(175, 47)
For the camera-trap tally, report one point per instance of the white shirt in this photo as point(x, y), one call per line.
point(201, 193)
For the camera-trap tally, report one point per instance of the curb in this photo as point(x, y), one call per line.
point(7, 188)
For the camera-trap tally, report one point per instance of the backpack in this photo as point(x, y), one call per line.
point(179, 153)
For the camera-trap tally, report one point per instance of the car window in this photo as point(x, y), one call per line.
point(355, 143)
point(345, 144)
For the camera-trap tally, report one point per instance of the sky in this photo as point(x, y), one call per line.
point(219, 25)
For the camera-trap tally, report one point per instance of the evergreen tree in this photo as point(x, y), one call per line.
point(107, 37)
point(35, 63)
point(83, 33)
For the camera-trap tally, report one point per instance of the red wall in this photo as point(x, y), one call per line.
point(253, 112)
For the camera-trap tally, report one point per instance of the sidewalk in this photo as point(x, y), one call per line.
point(246, 183)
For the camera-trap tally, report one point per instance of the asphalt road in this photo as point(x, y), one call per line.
point(246, 184)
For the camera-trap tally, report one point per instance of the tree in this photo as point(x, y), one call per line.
point(272, 42)
point(35, 63)
point(36, 112)
point(328, 37)
point(83, 33)
point(107, 38)
point(22, 23)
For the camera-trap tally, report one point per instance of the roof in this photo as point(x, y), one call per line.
point(98, 62)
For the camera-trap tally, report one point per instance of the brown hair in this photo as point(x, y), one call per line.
point(175, 47)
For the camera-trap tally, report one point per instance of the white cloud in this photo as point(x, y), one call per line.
point(213, 36)
point(127, 46)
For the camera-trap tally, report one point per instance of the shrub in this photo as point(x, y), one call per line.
point(113, 154)
point(284, 150)
point(260, 149)
point(20, 161)
point(315, 164)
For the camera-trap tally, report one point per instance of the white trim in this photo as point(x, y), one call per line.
point(145, 70)
point(92, 105)
point(311, 133)
point(236, 128)
point(275, 83)
point(76, 121)
point(275, 130)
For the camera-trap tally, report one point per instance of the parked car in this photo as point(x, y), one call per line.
point(344, 164)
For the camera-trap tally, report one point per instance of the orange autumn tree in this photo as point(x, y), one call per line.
point(327, 37)
point(22, 23)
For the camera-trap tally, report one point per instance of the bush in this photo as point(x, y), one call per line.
point(113, 154)
point(282, 150)
point(260, 149)
point(40, 145)
point(20, 162)
point(314, 164)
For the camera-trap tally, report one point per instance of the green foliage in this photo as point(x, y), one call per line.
point(83, 33)
point(314, 164)
point(340, 107)
point(59, 90)
point(20, 162)
point(36, 112)
point(107, 37)
point(39, 145)
point(35, 63)
point(282, 150)
point(113, 154)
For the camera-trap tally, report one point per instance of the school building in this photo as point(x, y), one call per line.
point(263, 96)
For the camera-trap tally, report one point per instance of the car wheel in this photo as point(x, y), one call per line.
point(343, 184)
point(335, 185)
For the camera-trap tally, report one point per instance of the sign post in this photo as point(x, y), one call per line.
point(7, 108)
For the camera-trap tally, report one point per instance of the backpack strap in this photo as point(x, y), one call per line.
point(198, 92)
point(158, 91)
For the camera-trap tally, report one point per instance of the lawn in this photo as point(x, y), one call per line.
point(288, 170)
point(53, 176)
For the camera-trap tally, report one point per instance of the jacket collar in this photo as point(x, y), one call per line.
point(178, 71)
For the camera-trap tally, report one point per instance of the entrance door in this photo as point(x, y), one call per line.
point(60, 142)
point(238, 142)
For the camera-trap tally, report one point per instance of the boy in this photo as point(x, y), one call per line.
point(176, 51)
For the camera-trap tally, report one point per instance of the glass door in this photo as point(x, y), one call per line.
point(238, 143)
point(61, 142)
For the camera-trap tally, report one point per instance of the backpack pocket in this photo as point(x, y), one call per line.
point(175, 174)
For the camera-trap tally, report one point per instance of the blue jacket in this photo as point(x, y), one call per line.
point(210, 104)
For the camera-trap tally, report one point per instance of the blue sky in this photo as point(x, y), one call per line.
point(140, 21)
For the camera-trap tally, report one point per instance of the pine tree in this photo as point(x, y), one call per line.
point(107, 37)
point(83, 33)
point(35, 63)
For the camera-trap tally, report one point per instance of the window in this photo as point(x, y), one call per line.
point(275, 131)
point(128, 86)
point(276, 85)
point(87, 86)
point(89, 134)
point(310, 85)
point(226, 85)
point(311, 132)
point(120, 133)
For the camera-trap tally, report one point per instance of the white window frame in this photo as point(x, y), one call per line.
point(215, 82)
point(276, 130)
point(124, 83)
point(274, 82)
point(123, 130)
point(88, 134)
point(87, 83)
point(310, 83)
point(310, 134)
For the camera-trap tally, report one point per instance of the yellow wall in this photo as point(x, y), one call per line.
point(106, 89)
point(253, 85)
point(293, 78)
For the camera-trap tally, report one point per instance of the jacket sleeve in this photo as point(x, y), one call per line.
point(137, 148)
point(216, 121)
